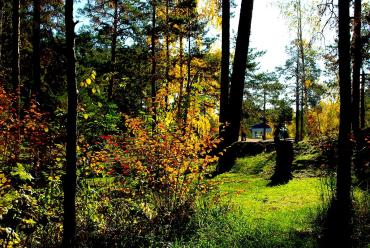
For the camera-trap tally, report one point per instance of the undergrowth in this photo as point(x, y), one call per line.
point(243, 211)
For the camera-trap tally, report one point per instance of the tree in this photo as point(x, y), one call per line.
point(70, 178)
point(181, 78)
point(343, 190)
point(189, 81)
point(167, 69)
point(252, 111)
point(239, 68)
point(16, 69)
point(306, 24)
point(1, 30)
point(281, 113)
point(191, 31)
point(237, 80)
point(154, 64)
point(15, 50)
point(362, 113)
point(300, 46)
point(225, 64)
point(113, 49)
point(297, 109)
point(189, 24)
point(266, 89)
point(108, 20)
point(291, 72)
point(356, 66)
point(36, 49)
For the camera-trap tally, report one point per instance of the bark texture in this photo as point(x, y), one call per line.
point(225, 63)
point(16, 45)
point(356, 66)
point(113, 50)
point(70, 178)
point(362, 113)
point(154, 65)
point(36, 50)
point(237, 83)
point(343, 191)
point(239, 68)
point(297, 110)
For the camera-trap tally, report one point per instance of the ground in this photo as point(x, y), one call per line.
point(243, 211)
point(257, 215)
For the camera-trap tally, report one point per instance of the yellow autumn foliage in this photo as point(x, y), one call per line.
point(323, 120)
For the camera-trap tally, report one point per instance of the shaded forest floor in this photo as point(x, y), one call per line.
point(235, 209)
point(243, 211)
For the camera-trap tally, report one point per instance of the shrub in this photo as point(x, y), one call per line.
point(158, 176)
point(24, 142)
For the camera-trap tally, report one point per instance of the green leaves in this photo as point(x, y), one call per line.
point(20, 173)
point(89, 81)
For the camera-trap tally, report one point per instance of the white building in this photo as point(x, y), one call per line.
point(257, 130)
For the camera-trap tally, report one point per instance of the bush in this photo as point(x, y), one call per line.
point(24, 145)
point(157, 176)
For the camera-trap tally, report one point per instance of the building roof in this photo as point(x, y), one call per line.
point(260, 125)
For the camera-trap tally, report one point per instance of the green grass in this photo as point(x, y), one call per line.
point(306, 153)
point(307, 156)
point(290, 206)
point(261, 164)
point(243, 211)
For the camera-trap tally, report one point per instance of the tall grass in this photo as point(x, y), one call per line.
point(360, 215)
point(227, 225)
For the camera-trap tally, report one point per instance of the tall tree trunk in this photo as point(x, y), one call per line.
point(69, 184)
point(297, 110)
point(264, 115)
point(154, 65)
point(167, 54)
point(113, 51)
point(16, 54)
point(239, 68)
point(16, 70)
point(225, 63)
point(362, 114)
point(36, 49)
point(302, 114)
point(1, 30)
point(188, 85)
point(356, 66)
point(343, 191)
point(226, 161)
point(303, 70)
point(181, 59)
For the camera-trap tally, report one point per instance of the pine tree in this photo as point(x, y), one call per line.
point(356, 66)
point(225, 64)
point(237, 80)
point(70, 178)
point(36, 49)
point(343, 191)
point(239, 68)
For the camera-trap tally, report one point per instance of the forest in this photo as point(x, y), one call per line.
point(156, 123)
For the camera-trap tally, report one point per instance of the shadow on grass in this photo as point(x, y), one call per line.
point(335, 226)
point(224, 225)
point(284, 160)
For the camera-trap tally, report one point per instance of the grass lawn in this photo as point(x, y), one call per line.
point(289, 207)
point(245, 212)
